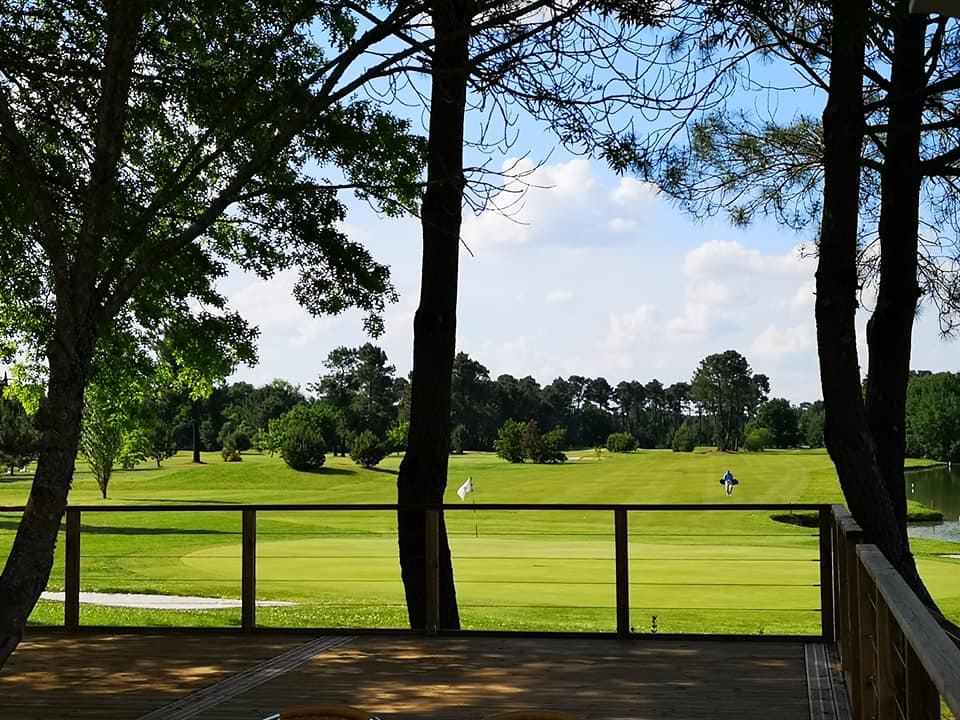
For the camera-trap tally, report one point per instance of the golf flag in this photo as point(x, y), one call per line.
point(467, 487)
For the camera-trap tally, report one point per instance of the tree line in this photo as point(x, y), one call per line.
point(360, 396)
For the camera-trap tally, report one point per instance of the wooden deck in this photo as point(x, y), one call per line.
point(215, 676)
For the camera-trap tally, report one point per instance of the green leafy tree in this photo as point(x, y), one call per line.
point(685, 438)
point(143, 150)
point(781, 419)
point(458, 438)
point(810, 423)
point(730, 391)
point(933, 416)
point(472, 402)
point(397, 436)
point(102, 438)
point(509, 442)
point(367, 450)
point(19, 439)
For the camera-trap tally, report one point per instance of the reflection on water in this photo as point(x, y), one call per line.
point(939, 489)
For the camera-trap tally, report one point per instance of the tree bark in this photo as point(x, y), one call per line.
point(195, 432)
point(30, 561)
point(423, 471)
point(890, 329)
point(848, 434)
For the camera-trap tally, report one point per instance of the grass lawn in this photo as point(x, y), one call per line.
point(689, 572)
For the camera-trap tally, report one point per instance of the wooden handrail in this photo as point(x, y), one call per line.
point(928, 644)
point(250, 513)
point(897, 660)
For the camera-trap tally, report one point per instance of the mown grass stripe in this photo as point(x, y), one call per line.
point(195, 703)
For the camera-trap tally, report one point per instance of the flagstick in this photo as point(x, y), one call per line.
point(476, 521)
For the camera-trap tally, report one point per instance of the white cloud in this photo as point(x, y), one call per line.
point(532, 200)
point(631, 191)
point(774, 342)
point(621, 225)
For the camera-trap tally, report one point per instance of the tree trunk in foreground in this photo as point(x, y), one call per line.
point(848, 434)
point(30, 561)
point(890, 330)
point(423, 471)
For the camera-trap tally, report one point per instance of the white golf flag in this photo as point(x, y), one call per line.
point(467, 487)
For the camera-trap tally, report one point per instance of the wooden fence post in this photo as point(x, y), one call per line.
point(248, 570)
point(922, 698)
point(622, 549)
point(886, 682)
point(71, 572)
point(828, 627)
point(432, 576)
point(867, 668)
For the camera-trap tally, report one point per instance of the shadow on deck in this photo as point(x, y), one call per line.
point(213, 676)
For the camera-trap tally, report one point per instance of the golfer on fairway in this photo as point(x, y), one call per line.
point(728, 481)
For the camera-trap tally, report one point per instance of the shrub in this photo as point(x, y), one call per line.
point(509, 442)
point(367, 451)
point(621, 442)
point(230, 455)
point(303, 447)
point(553, 445)
point(685, 438)
point(758, 439)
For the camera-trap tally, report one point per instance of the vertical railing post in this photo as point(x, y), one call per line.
point(866, 644)
point(850, 617)
point(71, 572)
point(923, 700)
point(828, 627)
point(432, 575)
point(622, 550)
point(886, 682)
point(248, 576)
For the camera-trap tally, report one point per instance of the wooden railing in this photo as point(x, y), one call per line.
point(619, 514)
point(897, 660)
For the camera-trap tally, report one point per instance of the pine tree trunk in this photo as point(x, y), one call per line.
point(847, 433)
point(890, 329)
point(30, 561)
point(423, 471)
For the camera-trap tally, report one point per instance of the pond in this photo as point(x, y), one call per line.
point(937, 488)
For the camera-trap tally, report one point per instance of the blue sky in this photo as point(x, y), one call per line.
point(594, 275)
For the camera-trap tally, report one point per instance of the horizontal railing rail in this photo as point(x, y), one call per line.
point(620, 581)
point(639, 507)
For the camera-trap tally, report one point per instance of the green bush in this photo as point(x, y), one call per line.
point(552, 445)
point(621, 442)
point(367, 451)
point(758, 440)
point(230, 455)
point(685, 438)
point(303, 447)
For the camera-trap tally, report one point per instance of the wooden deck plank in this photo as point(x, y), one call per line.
point(402, 678)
